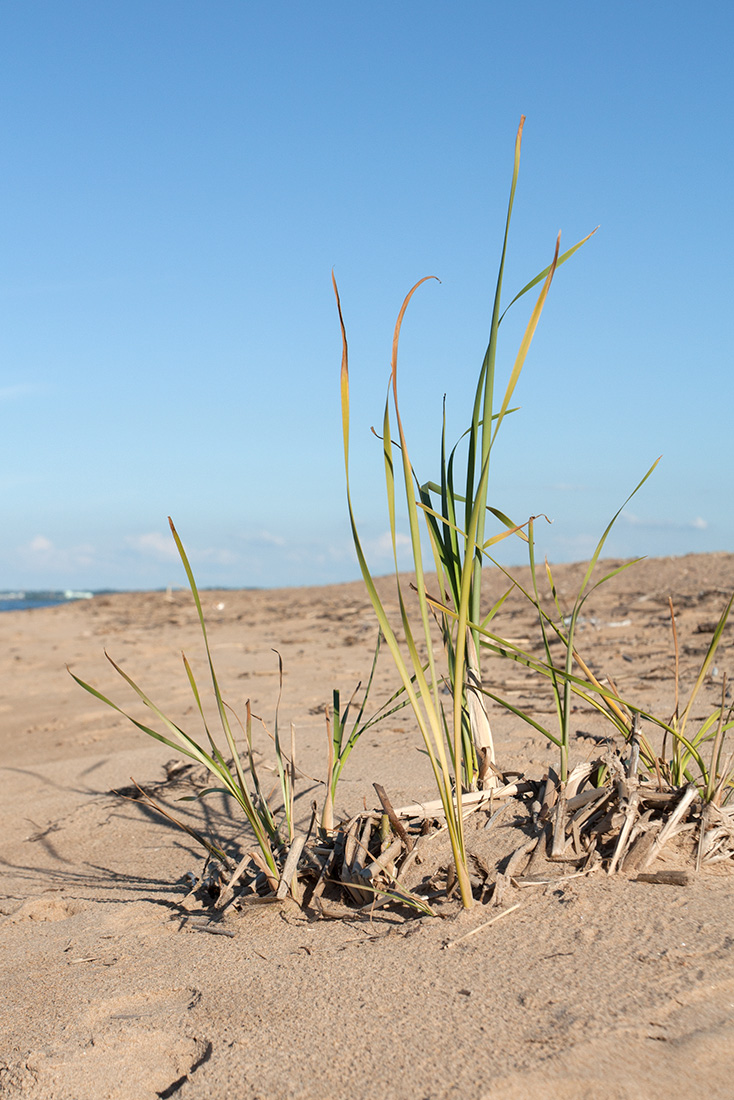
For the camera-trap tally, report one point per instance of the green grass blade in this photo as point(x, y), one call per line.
point(610, 525)
point(215, 683)
point(539, 278)
point(183, 742)
point(707, 661)
point(522, 714)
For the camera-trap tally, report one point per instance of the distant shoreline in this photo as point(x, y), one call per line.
point(29, 599)
point(21, 600)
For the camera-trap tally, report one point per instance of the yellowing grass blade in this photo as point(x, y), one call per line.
point(527, 340)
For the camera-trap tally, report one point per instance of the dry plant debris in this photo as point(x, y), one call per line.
point(601, 820)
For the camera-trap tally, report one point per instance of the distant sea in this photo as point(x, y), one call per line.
point(22, 601)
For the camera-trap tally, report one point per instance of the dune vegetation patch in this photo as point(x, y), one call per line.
point(654, 802)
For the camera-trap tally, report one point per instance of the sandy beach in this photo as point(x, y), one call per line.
point(600, 987)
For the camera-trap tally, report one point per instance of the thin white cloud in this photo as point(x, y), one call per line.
point(381, 547)
point(49, 556)
point(582, 543)
point(263, 538)
point(270, 539)
point(697, 524)
point(21, 389)
point(217, 556)
point(40, 545)
point(153, 544)
point(160, 547)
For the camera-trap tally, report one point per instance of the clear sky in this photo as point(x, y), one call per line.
point(178, 180)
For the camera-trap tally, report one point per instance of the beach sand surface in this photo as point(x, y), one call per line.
point(599, 987)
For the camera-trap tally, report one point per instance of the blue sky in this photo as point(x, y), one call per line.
point(179, 180)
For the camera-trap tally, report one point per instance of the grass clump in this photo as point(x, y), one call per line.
point(682, 757)
point(660, 778)
point(452, 515)
point(621, 810)
point(282, 860)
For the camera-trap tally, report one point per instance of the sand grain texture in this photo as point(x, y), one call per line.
point(603, 988)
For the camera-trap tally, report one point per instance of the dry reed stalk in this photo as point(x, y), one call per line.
point(481, 927)
point(672, 825)
point(227, 893)
point(519, 856)
point(588, 804)
point(382, 864)
point(395, 822)
point(641, 843)
point(620, 849)
point(666, 878)
point(576, 778)
point(539, 854)
point(256, 856)
point(478, 716)
point(558, 845)
point(288, 879)
point(474, 800)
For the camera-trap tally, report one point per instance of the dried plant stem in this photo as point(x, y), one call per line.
point(625, 833)
point(481, 927)
point(671, 826)
point(290, 867)
point(394, 819)
point(471, 801)
point(258, 859)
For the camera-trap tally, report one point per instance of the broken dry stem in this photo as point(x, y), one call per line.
point(288, 877)
point(394, 819)
point(481, 927)
point(672, 825)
